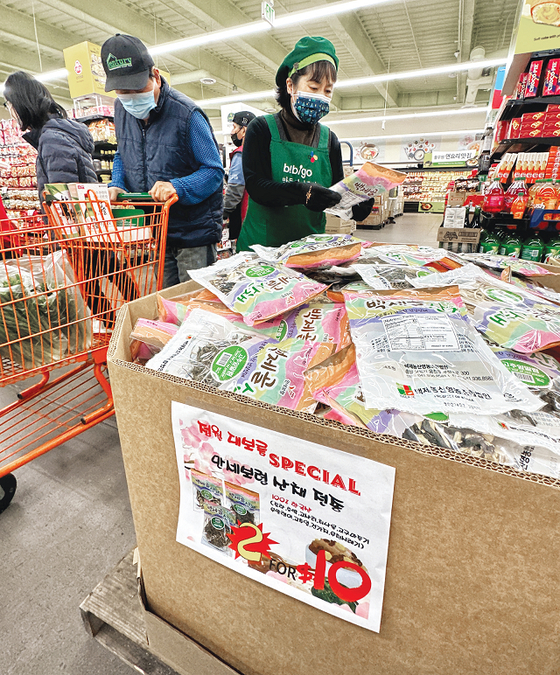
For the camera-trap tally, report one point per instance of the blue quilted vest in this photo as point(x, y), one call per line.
point(161, 151)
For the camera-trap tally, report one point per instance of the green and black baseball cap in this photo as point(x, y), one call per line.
point(127, 62)
point(308, 50)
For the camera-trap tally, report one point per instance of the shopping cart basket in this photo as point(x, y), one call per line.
point(63, 277)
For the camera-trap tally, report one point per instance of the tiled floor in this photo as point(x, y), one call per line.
point(70, 523)
point(411, 228)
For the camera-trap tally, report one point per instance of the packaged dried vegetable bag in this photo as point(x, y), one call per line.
point(256, 289)
point(410, 255)
point(210, 350)
point(502, 262)
point(383, 277)
point(315, 251)
point(321, 320)
point(418, 352)
point(336, 383)
point(506, 314)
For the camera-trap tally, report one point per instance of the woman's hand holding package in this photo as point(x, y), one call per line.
point(319, 198)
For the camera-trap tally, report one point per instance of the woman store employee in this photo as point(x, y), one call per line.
point(289, 159)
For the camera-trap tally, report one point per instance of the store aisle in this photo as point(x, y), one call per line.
point(410, 228)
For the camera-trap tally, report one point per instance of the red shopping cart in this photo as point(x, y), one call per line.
point(63, 277)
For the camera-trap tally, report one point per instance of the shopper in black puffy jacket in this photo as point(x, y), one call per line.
point(64, 146)
point(64, 150)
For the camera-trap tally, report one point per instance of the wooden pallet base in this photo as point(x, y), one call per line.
point(112, 615)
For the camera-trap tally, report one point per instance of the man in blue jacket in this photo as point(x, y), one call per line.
point(165, 146)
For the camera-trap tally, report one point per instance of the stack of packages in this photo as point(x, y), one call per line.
point(405, 340)
point(18, 182)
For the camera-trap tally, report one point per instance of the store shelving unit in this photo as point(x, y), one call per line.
point(425, 188)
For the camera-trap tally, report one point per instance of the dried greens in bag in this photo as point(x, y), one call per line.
point(243, 503)
point(383, 277)
point(417, 351)
point(206, 488)
point(502, 262)
point(207, 349)
point(409, 255)
point(218, 523)
point(210, 350)
point(315, 251)
point(509, 316)
point(256, 289)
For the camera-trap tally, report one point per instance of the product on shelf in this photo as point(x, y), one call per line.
point(430, 186)
point(18, 177)
point(533, 248)
point(519, 204)
point(494, 198)
point(103, 131)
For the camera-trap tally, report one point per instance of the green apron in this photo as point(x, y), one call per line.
point(273, 226)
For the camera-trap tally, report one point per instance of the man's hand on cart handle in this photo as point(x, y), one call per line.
point(162, 191)
point(114, 193)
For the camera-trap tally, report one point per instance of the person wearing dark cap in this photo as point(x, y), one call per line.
point(289, 159)
point(236, 198)
point(165, 146)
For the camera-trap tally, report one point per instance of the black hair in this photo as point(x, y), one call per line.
point(317, 71)
point(31, 100)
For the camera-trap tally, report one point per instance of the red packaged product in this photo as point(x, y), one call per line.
point(552, 116)
point(527, 124)
point(521, 85)
point(555, 133)
point(501, 131)
point(514, 127)
point(533, 117)
point(553, 108)
point(535, 70)
point(551, 86)
point(531, 133)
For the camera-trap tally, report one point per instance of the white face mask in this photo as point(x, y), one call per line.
point(140, 104)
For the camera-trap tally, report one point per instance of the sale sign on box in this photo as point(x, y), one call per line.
point(306, 520)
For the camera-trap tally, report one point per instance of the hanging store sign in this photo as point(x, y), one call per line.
point(449, 158)
point(306, 520)
point(267, 12)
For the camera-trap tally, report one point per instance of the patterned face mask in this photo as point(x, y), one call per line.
point(310, 108)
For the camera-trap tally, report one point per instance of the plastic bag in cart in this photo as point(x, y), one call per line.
point(417, 351)
point(43, 317)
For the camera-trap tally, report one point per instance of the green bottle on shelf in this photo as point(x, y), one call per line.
point(552, 248)
point(533, 248)
point(511, 246)
point(489, 242)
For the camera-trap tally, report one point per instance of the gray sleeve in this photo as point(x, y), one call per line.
point(233, 196)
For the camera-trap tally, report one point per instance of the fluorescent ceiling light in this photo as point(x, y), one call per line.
point(372, 137)
point(49, 76)
point(290, 19)
point(426, 72)
point(406, 116)
point(325, 10)
point(222, 100)
point(341, 84)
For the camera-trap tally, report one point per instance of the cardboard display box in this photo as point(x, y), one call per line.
point(472, 579)
point(458, 235)
point(336, 225)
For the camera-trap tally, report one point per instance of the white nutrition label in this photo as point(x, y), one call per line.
point(424, 332)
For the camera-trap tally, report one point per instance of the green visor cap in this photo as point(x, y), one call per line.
point(308, 50)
